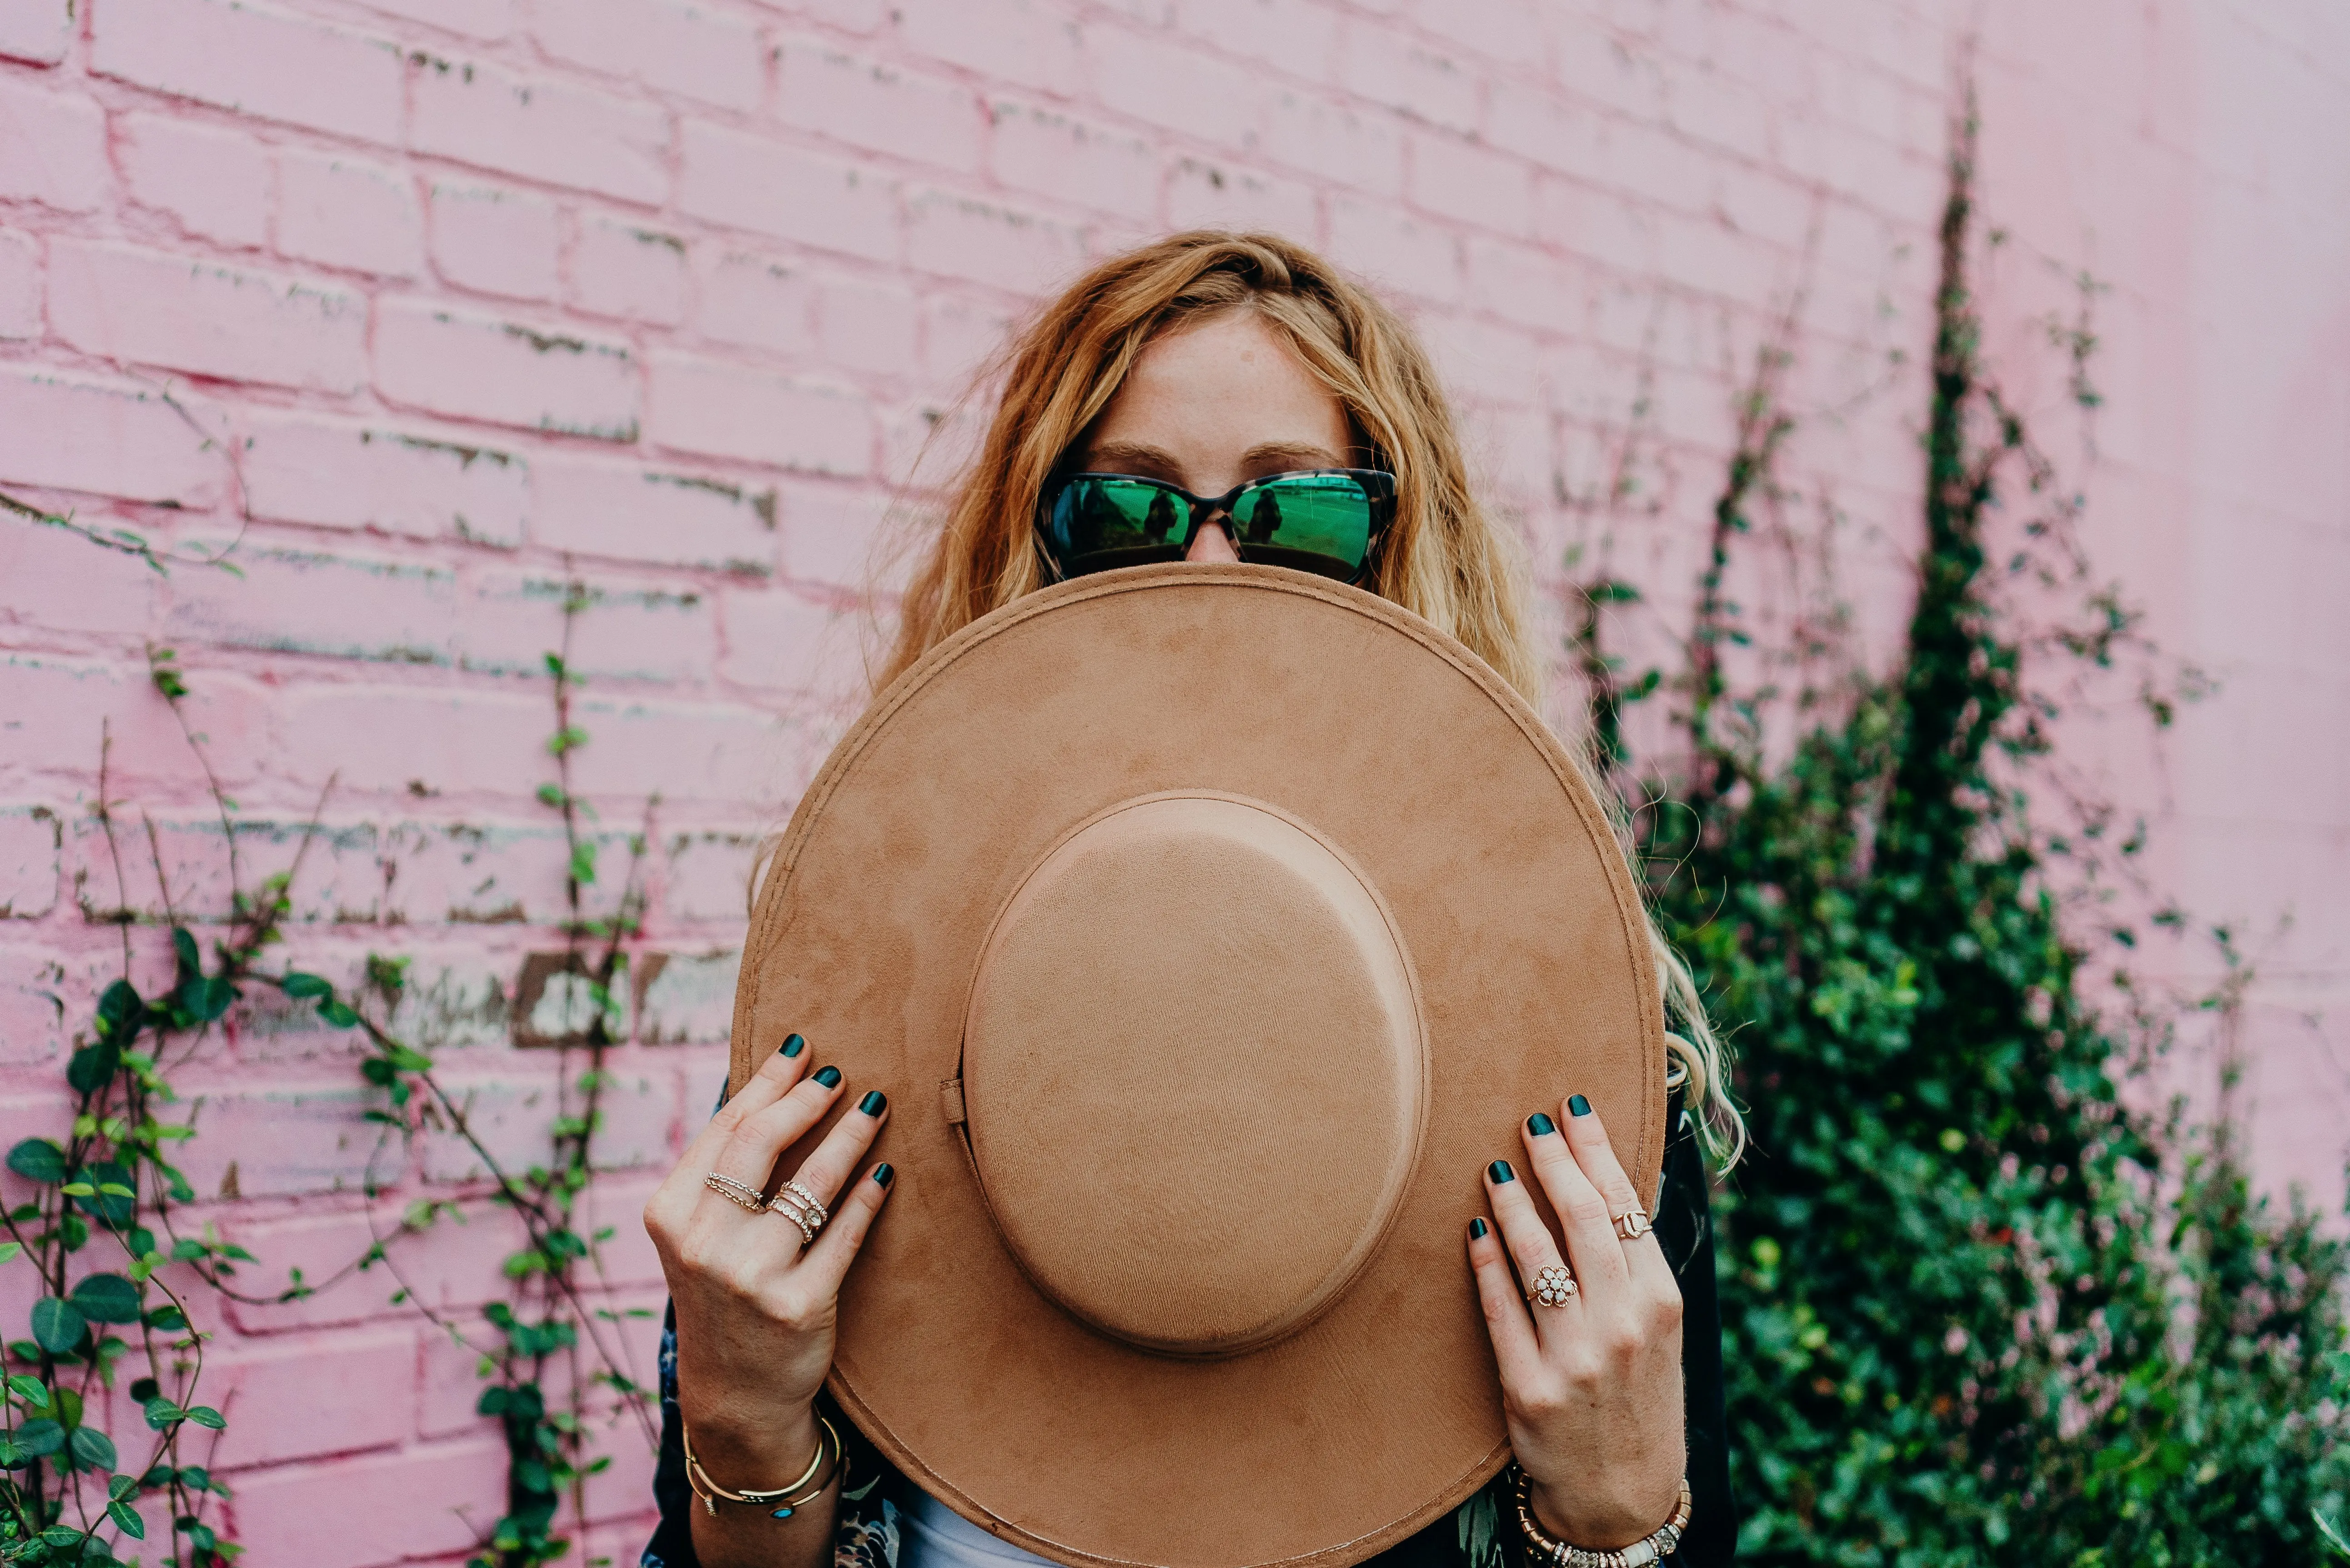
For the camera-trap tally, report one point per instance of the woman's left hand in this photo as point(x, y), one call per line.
point(1591, 1387)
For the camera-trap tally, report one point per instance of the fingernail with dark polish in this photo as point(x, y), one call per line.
point(1476, 1230)
point(794, 1044)
point(829, 1076)
point(1539, 1124)
point(884, 1174)
point(1576, 1106)
point(1500, 1171)
point(872, 1103)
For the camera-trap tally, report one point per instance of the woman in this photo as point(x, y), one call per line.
point(1204, 365)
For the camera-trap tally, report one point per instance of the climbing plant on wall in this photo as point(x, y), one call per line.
point(1976, 1311)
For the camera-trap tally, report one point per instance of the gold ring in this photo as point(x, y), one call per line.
point(741, 1194)
point(1553, 1286)
point(1633, 1223)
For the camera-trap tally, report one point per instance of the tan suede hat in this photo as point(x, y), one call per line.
point(1210, 929)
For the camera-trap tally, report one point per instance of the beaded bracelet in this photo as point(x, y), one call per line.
point(780, 1501)
point(1542, 1547)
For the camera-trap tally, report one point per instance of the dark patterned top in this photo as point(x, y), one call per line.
point(1482, 1533)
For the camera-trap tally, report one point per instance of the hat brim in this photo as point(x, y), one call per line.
point(1527, 939)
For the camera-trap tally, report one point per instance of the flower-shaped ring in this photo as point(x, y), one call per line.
point(1554, 1285)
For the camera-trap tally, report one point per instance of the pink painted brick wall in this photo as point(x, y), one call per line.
point(424, 304)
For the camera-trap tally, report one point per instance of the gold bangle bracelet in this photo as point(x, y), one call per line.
point(779, 1501)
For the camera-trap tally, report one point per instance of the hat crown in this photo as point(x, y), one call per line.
point(1194, 1073)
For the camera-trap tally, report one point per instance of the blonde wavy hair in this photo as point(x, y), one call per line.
point(1444, 557)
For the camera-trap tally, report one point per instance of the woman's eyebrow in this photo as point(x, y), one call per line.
point(1294, 452)
point(1125, 457)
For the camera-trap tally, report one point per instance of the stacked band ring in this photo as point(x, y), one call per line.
point(1632, 1224)
point(741, 1194)
point(798, 1204)
point(1554, 1285)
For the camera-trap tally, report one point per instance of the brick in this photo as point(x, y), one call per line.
point(1024, 41)
point(52, 147)
point(753, 301)
point(378, 1515)
point(635, 273)
point(1509, 31)
point(347, 213)
point(28, 861)
point(1387, 246)
point(338, 1394)
point(1337, 143)
point(488, 874)
point(1559, 133)
point(313, 602)
point(960, 335)
point(959, 237)
point(105, 437)
point(830, 534)
point(706, 874)
point(1205, 195)
point(540, 128)
point(383, 739)
point(343, 475)
point(510, 1113)
point(215, 183)
point(1296, 37)
point(683, 751)
point(870, 326)
point(511, 623)
point(489, 20)
point(151, 308)
point(689, 999)
point(1174, 86)
point(54, 712)
point(474, 366)
point(635, 513)
point(288, 1140)
point(1381, 63)
point(659, 44)
point(715, 408)
point(20, 285)
point(34, 1008)
point(256, 60)
point(1471, 184)
point(749, 183)
point(36, 30)
point(1615, 230)
point(58, 582)
point(1525, 286)
point(783, 639)
point(1047, 152)
point(879, 106)
point(496, 241)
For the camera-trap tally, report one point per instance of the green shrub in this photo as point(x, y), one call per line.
point(1976, 1311)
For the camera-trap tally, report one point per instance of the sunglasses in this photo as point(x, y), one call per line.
point(1327, 521)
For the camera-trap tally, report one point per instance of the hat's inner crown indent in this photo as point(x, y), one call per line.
point(1194, 1073)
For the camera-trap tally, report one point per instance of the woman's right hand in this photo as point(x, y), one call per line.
point(755, 1307)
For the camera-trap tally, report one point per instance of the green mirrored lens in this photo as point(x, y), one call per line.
point(1097, 515)
point(1303, 520)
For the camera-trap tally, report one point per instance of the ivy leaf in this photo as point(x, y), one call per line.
point(93, 1067)
point(123, 1515)
point(205, 1416)
point(92, 1448)
point(119, 1013)
point(161, 1413)
point(57, 1326)
point(183, 948)
point(38, 1160)
point(107, 1298)
point(302, 987)
point(41, 1436)
point(337, 1012)
point(8, 1250)
point(30, 1390)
